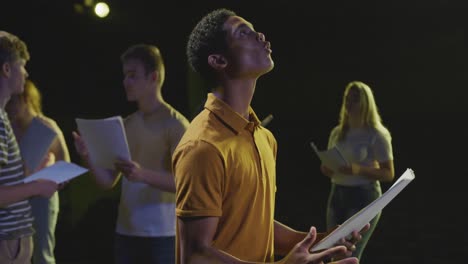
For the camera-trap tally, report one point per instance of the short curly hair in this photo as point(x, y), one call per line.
point(206, 38)
point(12, 48)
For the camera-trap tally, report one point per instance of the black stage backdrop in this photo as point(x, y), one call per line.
point(412, 53)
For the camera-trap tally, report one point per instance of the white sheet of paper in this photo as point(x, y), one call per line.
point(105, 139)
point(364, 216)
point(35, 143)
point(59, 172)
point(331, 158)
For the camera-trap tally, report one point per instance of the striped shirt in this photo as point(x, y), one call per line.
point(15, 219)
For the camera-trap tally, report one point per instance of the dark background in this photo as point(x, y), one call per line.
point(412, 53)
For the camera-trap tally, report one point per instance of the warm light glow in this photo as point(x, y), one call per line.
point(101, 9)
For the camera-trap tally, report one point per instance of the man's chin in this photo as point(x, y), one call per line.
point(267, 69)
point(19, 90)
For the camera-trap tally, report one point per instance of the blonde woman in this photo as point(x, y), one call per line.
point(22, 109)
point(366, 144)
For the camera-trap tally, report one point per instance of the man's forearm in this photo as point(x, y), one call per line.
point(105, 178)
point(16, 193)
point(160, 179)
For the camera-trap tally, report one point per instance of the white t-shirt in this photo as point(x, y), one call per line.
point(146, 211)
point(363, 146)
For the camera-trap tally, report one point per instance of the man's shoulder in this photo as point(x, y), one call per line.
point(196, 148)
point(200, 129)
point(176, 117)
point(130, 117)
point(269, 135)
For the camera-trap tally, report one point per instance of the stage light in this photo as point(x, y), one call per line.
point(101, 9)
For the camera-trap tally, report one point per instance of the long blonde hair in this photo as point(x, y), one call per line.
point(369, 113)
point(32, 97)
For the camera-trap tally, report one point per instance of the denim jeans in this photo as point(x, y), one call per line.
point(45, 212)
point(345, 201)
point(144, 250)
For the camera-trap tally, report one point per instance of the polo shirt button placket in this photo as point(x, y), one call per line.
point(261, 172)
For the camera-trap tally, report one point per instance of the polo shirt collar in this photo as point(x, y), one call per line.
point(230, 117)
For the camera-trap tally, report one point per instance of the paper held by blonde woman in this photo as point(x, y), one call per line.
point(365, 215)
point(35, 143)
point(331, 158)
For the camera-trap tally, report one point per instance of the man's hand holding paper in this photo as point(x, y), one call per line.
point(130, 169)
point(105, 141)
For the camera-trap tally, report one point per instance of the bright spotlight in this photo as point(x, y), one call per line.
point(101, 9)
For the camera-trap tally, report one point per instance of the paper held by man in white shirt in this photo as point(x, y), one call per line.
point(105, 139)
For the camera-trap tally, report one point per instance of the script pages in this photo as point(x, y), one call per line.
point(105, 139)
point(35, 143)
point(331, 158)
point(361, 218)
point(59, 172)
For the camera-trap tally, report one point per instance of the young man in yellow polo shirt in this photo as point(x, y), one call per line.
point(225, 163)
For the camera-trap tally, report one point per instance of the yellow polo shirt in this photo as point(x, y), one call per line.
point(224, 166)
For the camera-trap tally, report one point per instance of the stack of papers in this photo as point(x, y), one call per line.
point(363, 217)
point(59, 172)
point(105, 139)
point(331, 158)
point(35, 143)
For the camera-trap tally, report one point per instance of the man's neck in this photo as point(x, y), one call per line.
point(4, 96)
point(150, 104)
point(238, 95)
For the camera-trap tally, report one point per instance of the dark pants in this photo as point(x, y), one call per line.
point(345, 201)
point(144, 250)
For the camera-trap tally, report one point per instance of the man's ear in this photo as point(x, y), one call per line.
point(6, 69)
point(217, 61)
